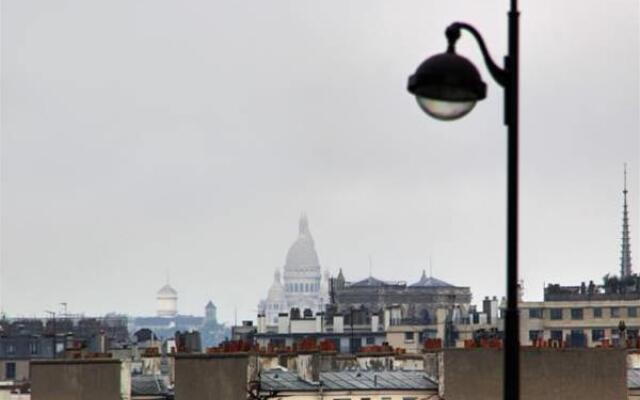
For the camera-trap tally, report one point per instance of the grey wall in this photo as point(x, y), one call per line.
point(75, 380)
point(545, 374)
point(211, 377)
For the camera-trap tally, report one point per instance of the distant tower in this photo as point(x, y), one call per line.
point(210, 312)
point(625, 251)
point(167, 300)
point(340, 282)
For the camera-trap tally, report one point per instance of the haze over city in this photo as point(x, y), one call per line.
point(145, 139)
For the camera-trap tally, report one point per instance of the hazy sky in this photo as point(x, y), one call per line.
point(140, 137)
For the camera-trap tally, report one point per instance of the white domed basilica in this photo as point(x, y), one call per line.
point(303, 286)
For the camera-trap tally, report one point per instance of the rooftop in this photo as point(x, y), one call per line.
point(281, 380)
point(430, 281)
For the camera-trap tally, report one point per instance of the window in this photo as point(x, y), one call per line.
point(535, 335)
point(556, 335)
point(355, 344)
point(597, 312)
point(615, 312)
point(576, 313)
point(408, 336)
point(556, 313)
point(577, 338)
point(11, 349)
point(632, 312)
point(10, 370)
point(33, 347)
point(535, 313)
point(371, 340)
point(597, 335)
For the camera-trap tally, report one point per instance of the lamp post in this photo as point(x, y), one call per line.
point(447, 86)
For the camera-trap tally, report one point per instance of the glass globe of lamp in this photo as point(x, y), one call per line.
point(447, 86)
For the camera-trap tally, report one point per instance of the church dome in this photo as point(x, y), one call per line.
point(276, 301)
point(167, 292)
point(276, 293)
point(167, 301)
point(302, 252)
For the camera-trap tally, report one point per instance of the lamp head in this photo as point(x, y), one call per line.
point(447, 85)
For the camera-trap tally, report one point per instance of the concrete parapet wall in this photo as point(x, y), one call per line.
point(212, 377)
point(585, 374)
point(76, 380)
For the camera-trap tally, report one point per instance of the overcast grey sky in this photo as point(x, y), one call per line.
point(140, 137)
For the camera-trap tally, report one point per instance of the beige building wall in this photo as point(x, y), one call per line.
point(97, 379)
point(22, 369)
point(406, 337)
point(212, 377)
point(584, 374)
point(608, 321)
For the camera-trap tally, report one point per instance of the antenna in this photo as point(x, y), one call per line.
point(625, 178)
point(430, 268)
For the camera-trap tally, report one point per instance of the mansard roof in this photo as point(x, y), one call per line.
point(429, 281)
point(370, 281)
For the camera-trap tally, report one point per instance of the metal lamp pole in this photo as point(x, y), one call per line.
point(447, 87)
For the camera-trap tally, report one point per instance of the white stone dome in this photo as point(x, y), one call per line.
point(276, 301)
point(276, 291)
point(302, 253)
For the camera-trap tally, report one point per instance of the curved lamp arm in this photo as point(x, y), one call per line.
point(453, 34)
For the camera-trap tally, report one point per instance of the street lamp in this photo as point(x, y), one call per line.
point(447, 87)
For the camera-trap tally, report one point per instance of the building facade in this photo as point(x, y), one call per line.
point(589, 314)
point(417, 303)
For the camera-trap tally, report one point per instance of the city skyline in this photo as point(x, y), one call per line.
point(151, 137)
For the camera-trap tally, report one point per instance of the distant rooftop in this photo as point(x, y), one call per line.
point(148, 385)
point(283, 380)
point(371, 281)
point(430, 281)
point(613, 289)
point(633, 378)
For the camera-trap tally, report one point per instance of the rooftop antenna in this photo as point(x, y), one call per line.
point(430, 268)
point(625, 256)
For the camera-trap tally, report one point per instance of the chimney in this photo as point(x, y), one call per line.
point(309, 367)
point(375, 322)
point(262, 323)
point(338, 323)
point(319, 322)
point(387, 319)
point(102, 342)
point(283, 323)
